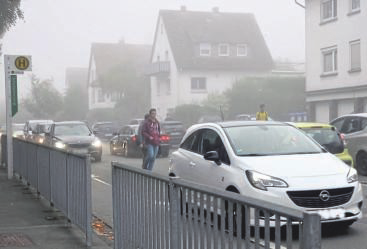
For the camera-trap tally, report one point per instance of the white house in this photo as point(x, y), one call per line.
point(197, 53)
point(336, 62)
point(106, 58)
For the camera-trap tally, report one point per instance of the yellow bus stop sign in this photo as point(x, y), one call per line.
point(22, 63)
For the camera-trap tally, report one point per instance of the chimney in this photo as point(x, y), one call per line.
point(183, 8)
point(215, 9)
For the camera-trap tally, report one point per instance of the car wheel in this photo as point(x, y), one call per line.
point(362, 163)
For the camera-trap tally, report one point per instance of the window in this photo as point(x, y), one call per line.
point(205, 49)
point(241, 50)
point(100, 96)
point(198, 84)
point(330, 56)
point(338, 123)
point(355, 56)
point(192, 142)
point(223, 50)
point(351, 125)
point(211, 141)
point(328, 10)
point(355, 5)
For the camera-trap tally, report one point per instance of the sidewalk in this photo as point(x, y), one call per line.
point(29, 222)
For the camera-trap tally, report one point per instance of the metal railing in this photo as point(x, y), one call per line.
point(62, 178)
point(156, 212)
point(3, 161)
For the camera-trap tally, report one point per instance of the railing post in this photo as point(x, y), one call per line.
point(89, 232)
point(174, 215)
point(311, 231)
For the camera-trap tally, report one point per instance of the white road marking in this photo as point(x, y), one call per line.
point(99, 180)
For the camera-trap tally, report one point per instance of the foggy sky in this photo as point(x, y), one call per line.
point(58, 34)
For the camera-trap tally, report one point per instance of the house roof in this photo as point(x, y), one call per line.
point(110, 55)
point(187, 29)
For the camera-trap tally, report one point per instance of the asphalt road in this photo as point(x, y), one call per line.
point(354, 238)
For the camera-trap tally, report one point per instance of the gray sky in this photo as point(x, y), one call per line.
point(58, 34)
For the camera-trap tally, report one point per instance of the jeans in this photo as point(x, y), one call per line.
point(151, 154)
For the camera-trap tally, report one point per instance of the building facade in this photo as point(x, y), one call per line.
point(198, 53)
point(336, 62)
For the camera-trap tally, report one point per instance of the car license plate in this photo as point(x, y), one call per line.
point(80, 151)
point(175, 133)
point(331, 214)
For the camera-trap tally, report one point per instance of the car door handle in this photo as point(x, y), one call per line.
point(192, 164)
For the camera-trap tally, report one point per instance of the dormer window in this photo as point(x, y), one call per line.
point(223, 50)
point(241, 50)
point(205, 49)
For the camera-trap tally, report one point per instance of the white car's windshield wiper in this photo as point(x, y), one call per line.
point(254, 154)
point(299, 153)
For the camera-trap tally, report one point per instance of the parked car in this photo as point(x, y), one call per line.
point(125, 143)
point(174, 129)
point(30, 127)
point(271, 161)
point(105, 130)
point(249, 117)
point(40, 131)
point(328, 137)
point(75, 137)
point(18, 130)
point(353, 127)
point(136, 121)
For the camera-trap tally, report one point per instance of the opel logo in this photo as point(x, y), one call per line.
point(324, 195)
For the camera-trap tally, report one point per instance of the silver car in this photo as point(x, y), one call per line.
point(354, 128)
point(272, 161)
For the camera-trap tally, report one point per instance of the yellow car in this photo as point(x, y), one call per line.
point(329, 137)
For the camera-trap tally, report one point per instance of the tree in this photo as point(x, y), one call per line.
point(44, 102)
point(188, 114)
point(281, 95)
point(10, 12)
point(75, 103)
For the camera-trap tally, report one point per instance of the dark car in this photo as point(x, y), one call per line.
point(175, 129)
point(75, 137)
point(125, 143)
point(105, 130)
point(30, 128)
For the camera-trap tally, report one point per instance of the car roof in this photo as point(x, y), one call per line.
point(69, 122)
point(40, 121)
point(248, 123)
point(364, 114)
point(311, 125)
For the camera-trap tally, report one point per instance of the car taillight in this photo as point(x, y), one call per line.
point(342, 137)
point(165, 138)
point(133, 138)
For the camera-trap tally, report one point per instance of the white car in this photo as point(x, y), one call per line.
point(271, 161)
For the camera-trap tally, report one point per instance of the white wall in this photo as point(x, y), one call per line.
point(322, 112)
point(340, 32)
point(345, 107)
point(164, 101)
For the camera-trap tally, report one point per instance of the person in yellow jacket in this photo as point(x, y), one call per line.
point(262, 114)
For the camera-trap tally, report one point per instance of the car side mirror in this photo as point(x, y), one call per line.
point(212, 156)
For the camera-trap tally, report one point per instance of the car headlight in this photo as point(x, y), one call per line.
point(97, 143)
point(60, 145)
point(263, 182)
point(352, 175)
point(40, 140)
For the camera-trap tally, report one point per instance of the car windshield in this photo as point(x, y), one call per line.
point(108, 127)
point(72, 130)
point(263, 140)
point(327, 137)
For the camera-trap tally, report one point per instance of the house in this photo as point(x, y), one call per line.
point(111, 58)
point(198, 53)
point(76, 76)
point(336, 71)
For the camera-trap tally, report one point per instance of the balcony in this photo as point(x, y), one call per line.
point(158, 68)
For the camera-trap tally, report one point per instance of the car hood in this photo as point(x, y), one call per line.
point(285, 166)
point(76, 139)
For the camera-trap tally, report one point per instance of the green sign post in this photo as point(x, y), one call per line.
point(14, 95)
